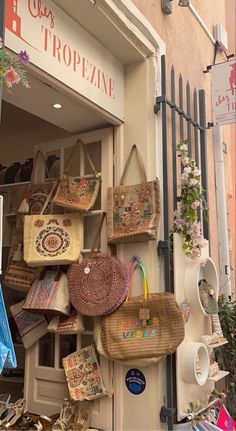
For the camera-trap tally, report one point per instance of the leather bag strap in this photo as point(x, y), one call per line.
point(48, 197)
point(140, 163)
point(80, 144)
point(98, 235)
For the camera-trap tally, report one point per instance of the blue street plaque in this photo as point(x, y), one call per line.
point(135, 381)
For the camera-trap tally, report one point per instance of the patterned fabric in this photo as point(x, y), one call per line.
point(49, 294)
point(52, 239)
point(83, 375)
point(7, 352)
point(77, 193)
point(38, 196)
point(133, 212)
point(31, 326)
point(67, 325)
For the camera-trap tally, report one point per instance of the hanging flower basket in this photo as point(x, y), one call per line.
point(11, 68)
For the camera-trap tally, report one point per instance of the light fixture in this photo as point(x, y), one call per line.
point(57, 105)
point(183, 3)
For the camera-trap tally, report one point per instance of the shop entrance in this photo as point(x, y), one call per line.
point(43, 382)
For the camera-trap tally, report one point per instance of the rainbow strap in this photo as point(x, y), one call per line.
point(136, 262)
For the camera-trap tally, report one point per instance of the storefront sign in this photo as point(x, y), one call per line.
point(61, 47)
point(224, 93)
point(135, 381)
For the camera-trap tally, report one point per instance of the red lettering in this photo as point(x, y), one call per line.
point(56, 47)
point(93, 75)
point(104, 82)
point(99, 79)
point(46, 34)
point(76, 59)
point(36, 10)
point(67, 60)
point(85, 64)
point(111, 88)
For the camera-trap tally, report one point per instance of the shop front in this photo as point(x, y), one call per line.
point(86, 64)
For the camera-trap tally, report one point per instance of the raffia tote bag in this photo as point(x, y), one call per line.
point(37, 192)
point(78, 193)
point(133, 211)
point(49, 294)
point(144, 326)
point(67, 325)
point(99, 284)
point(52, 239)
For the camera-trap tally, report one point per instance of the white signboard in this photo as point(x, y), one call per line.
point(223, 85)
point(61, 47)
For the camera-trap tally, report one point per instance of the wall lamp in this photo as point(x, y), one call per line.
point(166, 5)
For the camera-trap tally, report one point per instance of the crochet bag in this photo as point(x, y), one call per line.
point(67, 325)
point(133, 211)
point(49, 294)
point(83, 375)
point(99, 284)
point(31, 326)
point(7, 352)
point(78, 193)
point(144, 326)
point(52, 239)
point(18, 274)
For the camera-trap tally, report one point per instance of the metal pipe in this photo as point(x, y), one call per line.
point(2, 31)
point(225, 278)
point(202, 24)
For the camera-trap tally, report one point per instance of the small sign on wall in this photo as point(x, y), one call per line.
point(223, 86)
point(135, 381)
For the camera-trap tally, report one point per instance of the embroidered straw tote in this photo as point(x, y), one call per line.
point(83, 375)
point(133, 211)
point(98, 284)
point(52, 239)
point(67, 325)
point(144, 326)
point(78, 193)
point(49, 294)
point(36, 193)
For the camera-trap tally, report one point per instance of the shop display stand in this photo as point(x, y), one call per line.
point(192, 356)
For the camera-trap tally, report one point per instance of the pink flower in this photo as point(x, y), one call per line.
point(184, 178)
point(193, 182)
point(11, 77)
point(183, 147)
point(184, 161)
point(23, 57)
point(188, 170)
point(197, 172)
point(195, 205)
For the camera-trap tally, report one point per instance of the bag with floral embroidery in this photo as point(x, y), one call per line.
point(133, 211)
point(52, 239)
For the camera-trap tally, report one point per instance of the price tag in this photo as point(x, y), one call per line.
point(144, 314)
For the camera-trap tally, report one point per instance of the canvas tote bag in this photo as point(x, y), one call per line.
point(99, 284)
point(133, 211)
point(144, 326)
point(52, 239)
point(78, 193)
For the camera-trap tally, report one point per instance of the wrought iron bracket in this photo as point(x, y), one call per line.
point(163, 247)
point(166, 412)
point(159, 101)
point(209, 125)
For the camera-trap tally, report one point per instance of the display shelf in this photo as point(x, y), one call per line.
point(22, 183)
point(13, 215)
point(19, 380)
point(192, 351)
point(220, 375)
point(214, 346)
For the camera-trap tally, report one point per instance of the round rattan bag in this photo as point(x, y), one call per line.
point(98, 285)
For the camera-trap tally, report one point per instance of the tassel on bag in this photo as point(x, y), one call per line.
point(18, 254)
point(24, 207)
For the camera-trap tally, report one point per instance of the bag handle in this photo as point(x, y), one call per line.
point(37, 155)
point(98, 234)
point(48, 197)
point(136, 262)
point(140, 163)
point(82, 145)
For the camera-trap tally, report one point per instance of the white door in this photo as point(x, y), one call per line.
point(45, 385)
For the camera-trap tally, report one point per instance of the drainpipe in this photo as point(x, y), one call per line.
point(224, 259)
point(202, 24)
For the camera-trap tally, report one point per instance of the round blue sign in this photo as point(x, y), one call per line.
point(135, 381)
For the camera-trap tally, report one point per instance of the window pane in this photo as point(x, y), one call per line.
point(67, 346)
point(94, 151)
point(86, 340)
point(91, 224)
point(46, 350)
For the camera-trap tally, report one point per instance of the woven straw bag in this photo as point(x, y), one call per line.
point(67, 325)
point(18, 274)
point(99, 284)
point(144, 326)
point(133, 211)
point(49, 294)
point(78, 193)
point(52, 239)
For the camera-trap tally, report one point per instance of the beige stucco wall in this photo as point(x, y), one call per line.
point(190, 50)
